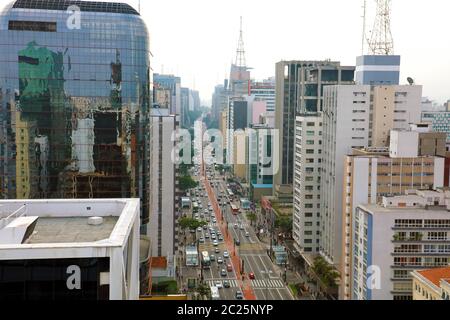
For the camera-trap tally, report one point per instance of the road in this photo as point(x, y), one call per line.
point(268, 283)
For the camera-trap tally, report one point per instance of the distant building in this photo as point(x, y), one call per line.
point(264, 91)
point(393, 238)
point(431, 284)
point(439, 121)
point(71, 250)
point(220, 100)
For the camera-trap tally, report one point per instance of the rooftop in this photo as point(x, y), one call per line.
point(436, 275)
point(68, 230)
point(66, 223)
point(62, 5)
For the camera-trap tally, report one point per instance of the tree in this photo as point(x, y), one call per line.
point(284, 223)
point(189, 223)
point(251, 217)
point(325, 272)
point(204, 290)
point(187, 183)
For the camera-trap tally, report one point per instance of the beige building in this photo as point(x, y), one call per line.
point(389, 103)
point(240, 155)
point(371, 174)
point(431, 284)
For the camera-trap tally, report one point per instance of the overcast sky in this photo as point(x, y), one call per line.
point(197, 39)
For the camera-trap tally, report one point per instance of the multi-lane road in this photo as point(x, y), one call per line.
point(267, 283)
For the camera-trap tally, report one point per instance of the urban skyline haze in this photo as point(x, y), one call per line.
point(206, 34)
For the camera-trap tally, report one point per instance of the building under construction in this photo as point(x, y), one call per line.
point(74, 102)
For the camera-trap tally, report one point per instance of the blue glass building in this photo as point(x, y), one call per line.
point(74, 101)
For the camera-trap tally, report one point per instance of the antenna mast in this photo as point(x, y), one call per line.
point(240, 52)
point(364, 27)
point(381, 41)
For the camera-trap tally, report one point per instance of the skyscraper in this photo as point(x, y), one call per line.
point(74, 101)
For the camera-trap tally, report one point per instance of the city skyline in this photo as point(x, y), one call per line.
point(267, 41)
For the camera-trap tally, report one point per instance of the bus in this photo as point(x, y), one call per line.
point(215, 293)
point(195, 207)
point(234, 209)
point(191, 256)
point(206, 261)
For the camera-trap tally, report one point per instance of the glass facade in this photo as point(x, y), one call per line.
point(74, 103)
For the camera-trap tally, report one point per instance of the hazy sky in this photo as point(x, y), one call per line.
point(197, 39)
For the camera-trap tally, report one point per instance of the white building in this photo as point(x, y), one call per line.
point(356, 116)
point(390, 240)
point(69, 249)
point(307, 176)
point(161, 228)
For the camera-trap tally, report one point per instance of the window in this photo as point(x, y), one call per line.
point(40, 26)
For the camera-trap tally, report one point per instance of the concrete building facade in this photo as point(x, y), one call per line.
point(371, 174)
point(307, 178)
point(356, 116)
point(401, 234)
point(163, 184)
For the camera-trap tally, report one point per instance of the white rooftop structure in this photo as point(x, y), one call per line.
point(76, 229)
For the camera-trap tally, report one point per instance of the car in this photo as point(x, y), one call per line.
point(212, 257)
point(229, 268)
point(223, 273)
point(213, 236)
point(237, 242)
point(236, 226)
point(206, 236)
point(220, 238)
point(241, 227)
point(218, 284)
point(226, 284)
point(192, 231)
point(239, 295)
point(205, 227)
point(202, 240)
point(214, 220)
point(216, 250)
point(247, 234)
point(199, 229)
point(226, 254)
point(251, 276)
point(215, 243)
point(219, 260)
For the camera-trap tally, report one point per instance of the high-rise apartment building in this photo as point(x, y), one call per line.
point(299, 90)
point(356, 116)
point(74, 102)
point(391, 239)
point(307, 177)
point(163, 182)
point(371, 174)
